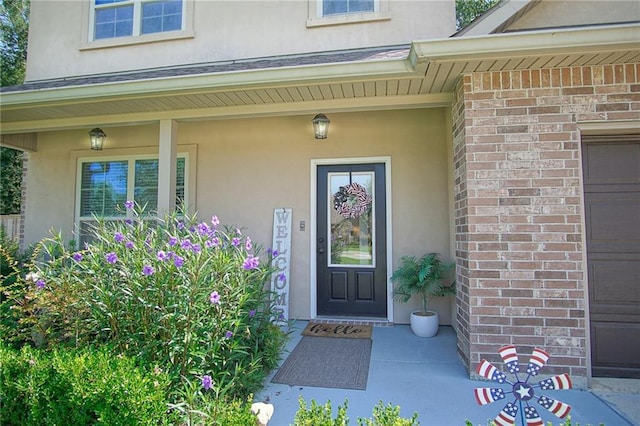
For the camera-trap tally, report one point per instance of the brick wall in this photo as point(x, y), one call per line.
point(518, 210)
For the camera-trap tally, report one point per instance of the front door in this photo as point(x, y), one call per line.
point(351, 240)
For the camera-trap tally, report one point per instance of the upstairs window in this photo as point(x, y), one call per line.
point(338, 12)
point(126, 18)
point(335, 7)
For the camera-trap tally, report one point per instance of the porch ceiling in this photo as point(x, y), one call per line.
point(421, 76)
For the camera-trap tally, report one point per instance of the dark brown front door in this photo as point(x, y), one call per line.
point(611, 169)
point(351, 240)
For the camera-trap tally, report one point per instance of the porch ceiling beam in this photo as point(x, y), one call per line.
point(291, 108)
point(20, 141)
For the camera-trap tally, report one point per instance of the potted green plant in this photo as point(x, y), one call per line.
point(425, 278)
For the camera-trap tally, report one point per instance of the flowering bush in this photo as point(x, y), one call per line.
point(186, 296)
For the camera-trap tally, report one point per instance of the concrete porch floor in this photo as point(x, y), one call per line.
point(425, 376)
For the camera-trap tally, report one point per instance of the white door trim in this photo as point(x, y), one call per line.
point(312, 224)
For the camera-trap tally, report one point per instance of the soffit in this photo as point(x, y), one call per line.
point(422, 76)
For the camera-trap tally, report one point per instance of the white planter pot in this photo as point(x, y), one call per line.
point(424, 324)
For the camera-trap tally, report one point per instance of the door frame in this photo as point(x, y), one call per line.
point(586, 130)
point(313, 223)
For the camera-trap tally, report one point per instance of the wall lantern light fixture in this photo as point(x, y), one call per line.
point(97, 137)
point(320, 126)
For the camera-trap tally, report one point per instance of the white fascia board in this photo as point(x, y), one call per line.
point(228, 80)
point(528, 43)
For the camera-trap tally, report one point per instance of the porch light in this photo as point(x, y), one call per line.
point(320, 126)
point(97, 137)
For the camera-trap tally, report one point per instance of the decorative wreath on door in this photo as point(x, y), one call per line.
point(352, 200)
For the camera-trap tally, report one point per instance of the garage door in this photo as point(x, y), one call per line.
point(611, 169)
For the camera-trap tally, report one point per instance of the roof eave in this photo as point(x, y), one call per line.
point(271, 77)
point(612, 37)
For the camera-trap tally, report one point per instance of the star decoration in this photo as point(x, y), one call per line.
point(521, 390)
point(524, 392)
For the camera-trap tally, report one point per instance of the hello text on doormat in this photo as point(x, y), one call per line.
point(337, 330)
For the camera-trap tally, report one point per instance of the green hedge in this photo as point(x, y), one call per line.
point(79, 387)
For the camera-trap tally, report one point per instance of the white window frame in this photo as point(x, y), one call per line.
point(136, 37)
point(316, 19)
point(131, 159)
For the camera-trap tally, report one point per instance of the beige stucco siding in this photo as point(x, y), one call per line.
point(247, 167)
point(260, 29)
point(556, 13)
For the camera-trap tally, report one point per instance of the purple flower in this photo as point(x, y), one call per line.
point(238, 231)
point(196, 248)
point(172, 241)
point(111, 257)
point(228, 334)
point(147, 270)
point(118, 237)
point(248, 244)
point(282, 276)
point(128, 221)
point(129, 244)
point(178, 261)
point(162, 256)
point(186, 244)
point(40, 284)
point(235, 242)
point(203, 228)
point(77, 256)
point(207, 382)
point(275, 253)
point(214, 298)
point(180, 226)
point(251, 262)
point(252, 313)
point(129, 204)
point(215, 221)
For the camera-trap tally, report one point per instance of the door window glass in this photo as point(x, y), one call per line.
point(351, 219)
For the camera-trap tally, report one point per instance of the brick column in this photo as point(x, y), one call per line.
point(519, 235)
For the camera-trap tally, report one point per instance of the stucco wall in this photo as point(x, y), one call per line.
point(558, 13)
point(247, 167)
point(259, 28)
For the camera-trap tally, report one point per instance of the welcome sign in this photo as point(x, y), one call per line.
point(282, 262)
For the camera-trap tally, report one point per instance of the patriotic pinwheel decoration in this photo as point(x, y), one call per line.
point(522, 391)
point(352, 200)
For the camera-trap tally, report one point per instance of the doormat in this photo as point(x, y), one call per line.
point(326, 362)
point(317, 329)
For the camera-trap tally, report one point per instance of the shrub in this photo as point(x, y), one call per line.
point(388, 415)
point(322, 415)
point(79, 387)
point(184, 295)
point(13, 264)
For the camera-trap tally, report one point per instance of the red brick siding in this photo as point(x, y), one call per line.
point(519, 236)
